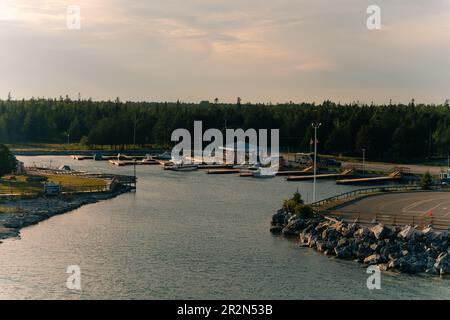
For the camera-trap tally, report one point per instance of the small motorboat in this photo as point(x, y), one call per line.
point(148, 159)
point(180, 165)
point(163, 156)
point(264, 173)
point(185, 167)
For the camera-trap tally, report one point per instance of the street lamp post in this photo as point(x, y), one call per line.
point(364, 161)
point(315, 126)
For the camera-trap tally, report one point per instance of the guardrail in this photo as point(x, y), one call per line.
point(366, 191)
point(389, 219)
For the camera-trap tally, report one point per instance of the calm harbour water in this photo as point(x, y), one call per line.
point(186, 236)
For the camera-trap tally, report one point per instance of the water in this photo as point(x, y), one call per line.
point(186, 236)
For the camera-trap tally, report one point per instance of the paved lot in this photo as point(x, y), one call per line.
point(417, 204)
point(387, 167)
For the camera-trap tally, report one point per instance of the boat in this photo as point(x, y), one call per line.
point(148, 159)
point(247, 166)
point(264, 173)
point(163, 156)
point(185, 167)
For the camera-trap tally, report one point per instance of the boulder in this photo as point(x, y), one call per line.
point(349, 231)
point(380, 231)
point(293, 228)
point(276, 229)
point(407, 232)
point(410, 265)
point(343, 252)
point(443, 263)
point(428, 230)
point(383, 266)
point(373, 259)
point(279, 217)
point(324, 246)
point(342, 242)
point(362, 252)
point(322, 226)
point(361, 233)
point(432, 271)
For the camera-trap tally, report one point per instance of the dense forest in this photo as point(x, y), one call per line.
point(385, 131)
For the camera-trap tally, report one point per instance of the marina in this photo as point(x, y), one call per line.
point(158, 235)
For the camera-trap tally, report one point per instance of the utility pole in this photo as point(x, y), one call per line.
point(315, 126)
point(364, 161)
point(134, 146)
point(134, 132)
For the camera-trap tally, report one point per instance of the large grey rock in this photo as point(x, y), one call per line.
point(276, 229)
point(293, 227)
point(361, 233)
point(373, 259)
point(443, 263)
point(279, 218)
point(407, 232)
point(343, 252)
point(380, 231)
point(349, 231)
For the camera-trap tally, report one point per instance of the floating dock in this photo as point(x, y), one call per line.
point(296, 172)
point(215, 166)
point(81, 158)
point(223, 171)
point(245, 174)
point(396, 175)
point(345, 173)
point(122, 163)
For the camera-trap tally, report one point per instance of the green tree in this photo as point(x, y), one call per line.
point(7, 161)
point(426, 181)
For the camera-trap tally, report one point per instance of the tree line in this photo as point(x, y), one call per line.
point(385, 131)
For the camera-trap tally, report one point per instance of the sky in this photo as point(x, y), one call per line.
point(194, 50)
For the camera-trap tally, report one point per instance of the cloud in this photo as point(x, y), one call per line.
point(193, 49)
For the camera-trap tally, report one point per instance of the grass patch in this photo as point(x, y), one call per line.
point(20, 186)
point(76, 181)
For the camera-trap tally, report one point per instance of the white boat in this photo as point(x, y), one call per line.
point(180, 165)
point(149, 160)
point(247, 166)
point(184, 167)
point(264, 173)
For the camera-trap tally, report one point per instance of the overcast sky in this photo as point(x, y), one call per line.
point(260, 50)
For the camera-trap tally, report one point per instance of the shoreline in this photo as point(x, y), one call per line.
point(402, 249)
point(27, 212)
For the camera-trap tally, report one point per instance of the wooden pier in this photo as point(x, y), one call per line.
point(345, 173)
point(223, 171)
point(122, 163)
point(214, 166)
point(394, 176)
point(245, 174)
point(305, 171)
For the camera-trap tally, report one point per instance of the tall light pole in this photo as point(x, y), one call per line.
point(364, 161)
point(315, 126)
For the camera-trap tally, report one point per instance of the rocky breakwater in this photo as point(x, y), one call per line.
point(404, 249)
